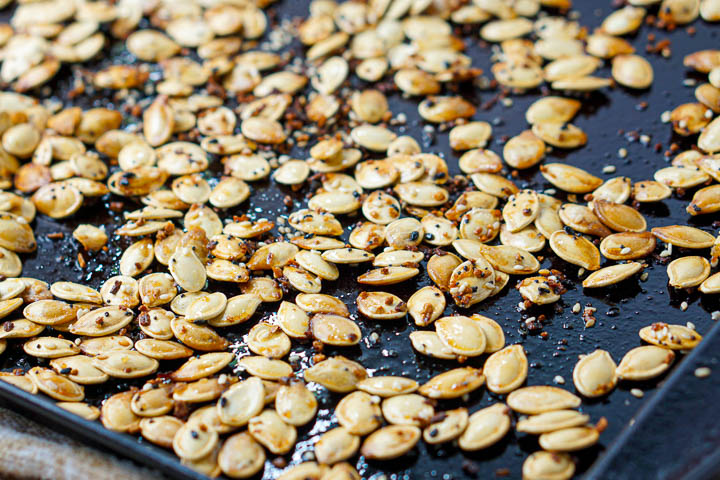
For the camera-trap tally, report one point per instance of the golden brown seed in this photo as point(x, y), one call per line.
point(337, 374)
point(461, 335)
point(684, 236)
point(674, 337)
point(644, 363)
point(570, 179)
point(295, 404)
point(569, 439)
point(540, 399)
point(390, 442)
point(686, 272)
point(628, 245)
point(506, 369)
point(548, 465)
point(551, 421)
point(453, 383)
point(485, 427)
point(580, 218)
point(575, 249)
point(594, 374)
point(611, 275)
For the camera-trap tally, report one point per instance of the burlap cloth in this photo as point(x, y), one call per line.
point(29, 451)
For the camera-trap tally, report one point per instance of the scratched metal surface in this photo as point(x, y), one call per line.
point(621, 310)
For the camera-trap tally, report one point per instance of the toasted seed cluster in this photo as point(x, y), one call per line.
point(475, 234)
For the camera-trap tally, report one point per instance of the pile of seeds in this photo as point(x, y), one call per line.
point(227, 107)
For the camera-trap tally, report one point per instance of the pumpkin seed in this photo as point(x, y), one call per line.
point(102, 321)
point(116, 414)
point(552, 421)
point(521, 210)
point(684, 236)
point(571, 66)
point(99, 345)
point(470, 135)
point(162, 349)
point(268, 340)
point(510, 260)
point(151, 402)
point(494, 185)
point(485, 427)
point(450, 427)
point(471, 282)
point(194, 441)
point(569, 439)
point(387, 275)
point(295, 404)
point(612, 275)
point(540, 399)
point(461, 335)
point(425, 306)
point(390, 442)
point(268, 429)
point(20, 328)
point(568, 178)
point(705, 200)
point(506, 369)
point(50, 347)
point(407, 409)
point(548, 465)
point(125, 364)
point(674, 337)
point(202, 366)
point(337, 374)
point(120, 290)
point(645, 363)
point(21, 381)
point(710, 284)
point(582, 219)
point(56, 386)
point(160, 430)
point(632, 71)
point(627, 245)
point(445, 109)
point(241, 456)
point(321, 303)
point(429, 343)
point(594, 374)
point(576, 250)
point(241, 402)
point(453, 383)
point(335, 330)
point(681, 177)
point(686, 272)
point(367, 236)
point(552, 109)
point(381, 305)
